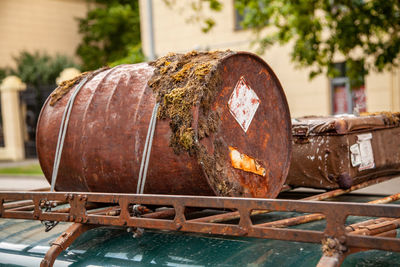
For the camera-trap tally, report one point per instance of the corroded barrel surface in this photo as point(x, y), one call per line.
point(247, 153)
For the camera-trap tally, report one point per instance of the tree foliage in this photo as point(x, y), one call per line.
point(3, 73)
point(111, 31)
point(39, 68)
point(135, 55)
point(365, 33)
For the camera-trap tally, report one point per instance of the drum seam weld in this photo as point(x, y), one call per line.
point(147, 150)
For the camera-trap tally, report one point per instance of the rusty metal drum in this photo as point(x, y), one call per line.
point(237, 143)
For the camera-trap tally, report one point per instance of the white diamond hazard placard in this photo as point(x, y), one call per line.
point(243, 103)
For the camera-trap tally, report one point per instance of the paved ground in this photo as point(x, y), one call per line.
point(386, 188)
point(21, 183)
point(9, 164)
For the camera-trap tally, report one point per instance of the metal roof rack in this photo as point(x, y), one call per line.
point(175, 213)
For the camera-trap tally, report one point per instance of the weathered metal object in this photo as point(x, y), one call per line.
point(176, 213)
point(64, 241)
point(338, 152)
point(335, 215)
point(317, 216)
point(335, 250)
point(330, 194)
point(108, 125)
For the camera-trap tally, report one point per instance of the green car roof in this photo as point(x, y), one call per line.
point(24, 243)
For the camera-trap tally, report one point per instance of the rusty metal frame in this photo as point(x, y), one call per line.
point(336, 240)
point(64, 241)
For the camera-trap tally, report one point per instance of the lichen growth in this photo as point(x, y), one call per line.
point(207, 125)
point(186, 85)
point(66, 86)
point(180, 83)
point(186, 137)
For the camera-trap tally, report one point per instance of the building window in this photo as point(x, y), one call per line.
point(239, 17)
point(347, 96)
point(238, 20)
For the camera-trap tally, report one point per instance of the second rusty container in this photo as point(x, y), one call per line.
point(223, 128)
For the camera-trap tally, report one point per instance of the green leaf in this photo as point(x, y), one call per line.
point(39, 68)
point(319, 29)
point(109, 32)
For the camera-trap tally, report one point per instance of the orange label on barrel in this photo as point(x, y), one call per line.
point(245, 163)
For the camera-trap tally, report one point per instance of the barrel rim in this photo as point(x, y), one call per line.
point(286, 164)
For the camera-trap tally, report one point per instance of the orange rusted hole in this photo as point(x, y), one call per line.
point(243, 162)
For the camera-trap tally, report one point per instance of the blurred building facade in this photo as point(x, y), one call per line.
point(44, 25)
point(49, 26)
point(172, 32)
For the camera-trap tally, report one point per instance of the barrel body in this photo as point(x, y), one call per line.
point(109, 121)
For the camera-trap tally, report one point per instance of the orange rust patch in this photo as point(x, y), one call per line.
point(245, 163)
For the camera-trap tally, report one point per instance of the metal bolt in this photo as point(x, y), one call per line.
point(342, 248)
point(331, 243)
